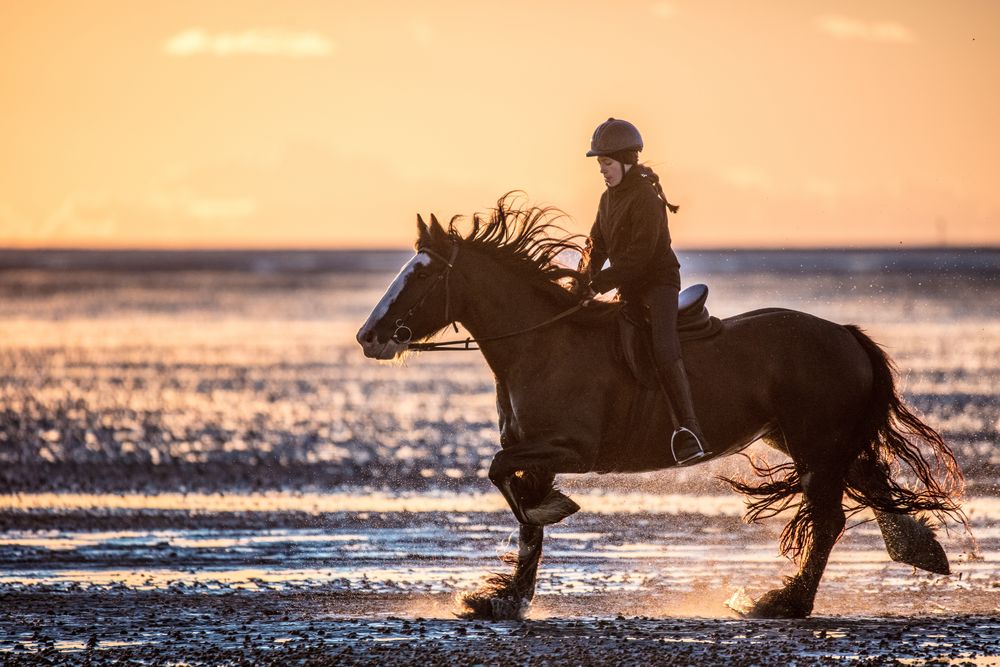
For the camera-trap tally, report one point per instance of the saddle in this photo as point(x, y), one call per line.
point(634, 344)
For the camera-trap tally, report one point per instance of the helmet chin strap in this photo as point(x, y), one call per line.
point(625, 168)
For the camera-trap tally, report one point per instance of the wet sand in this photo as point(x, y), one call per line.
point(147, 580)
point(281, 629)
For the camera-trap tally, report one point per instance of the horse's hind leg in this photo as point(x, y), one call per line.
point(908, 539)
point(812, 532)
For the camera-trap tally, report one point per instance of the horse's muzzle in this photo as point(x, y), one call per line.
point(383, 350)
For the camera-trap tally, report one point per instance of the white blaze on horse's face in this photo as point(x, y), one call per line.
point(389, 348)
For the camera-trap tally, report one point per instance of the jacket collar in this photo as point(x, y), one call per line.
point(631, 178)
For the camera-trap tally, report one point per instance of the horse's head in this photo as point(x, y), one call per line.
point(418, 301)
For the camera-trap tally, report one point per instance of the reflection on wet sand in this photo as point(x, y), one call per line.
point(647, 548)
point(985, 508)
point(361, 501)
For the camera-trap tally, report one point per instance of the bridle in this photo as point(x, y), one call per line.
point(444, 276)
point(455, 345)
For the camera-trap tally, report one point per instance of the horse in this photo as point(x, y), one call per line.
point(821, 393)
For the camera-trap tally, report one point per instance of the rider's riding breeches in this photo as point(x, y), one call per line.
point(662, 302)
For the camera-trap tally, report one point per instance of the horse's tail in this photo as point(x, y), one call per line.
point(895, 441)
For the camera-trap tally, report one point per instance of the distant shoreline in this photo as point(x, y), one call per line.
point(923, 259)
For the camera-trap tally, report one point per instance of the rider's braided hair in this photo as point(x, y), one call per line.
point(653, 177)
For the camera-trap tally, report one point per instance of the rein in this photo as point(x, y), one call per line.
point(451, 345)
point(459, 345)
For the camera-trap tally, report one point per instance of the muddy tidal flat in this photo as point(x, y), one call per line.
point(217, 579)
point(198, 466)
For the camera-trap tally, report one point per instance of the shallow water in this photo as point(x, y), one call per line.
point(406, 546)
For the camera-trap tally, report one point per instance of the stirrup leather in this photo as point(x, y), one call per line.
point(697, 455)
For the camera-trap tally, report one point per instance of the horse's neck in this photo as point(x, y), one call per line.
point(499, 302)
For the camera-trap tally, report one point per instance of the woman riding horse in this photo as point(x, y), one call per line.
point(631, 230)
point(820, 393)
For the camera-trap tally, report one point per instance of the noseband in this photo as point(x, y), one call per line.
point(403, 333)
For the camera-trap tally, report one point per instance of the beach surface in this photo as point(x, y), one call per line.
point(197, 465)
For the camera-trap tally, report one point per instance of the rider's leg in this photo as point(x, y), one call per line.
point(688, 442)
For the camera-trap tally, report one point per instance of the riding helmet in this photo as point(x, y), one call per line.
point(614, 135)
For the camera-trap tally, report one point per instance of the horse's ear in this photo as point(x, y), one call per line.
point(423, 234)
point(437, 231)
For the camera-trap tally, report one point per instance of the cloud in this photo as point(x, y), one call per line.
point(187, 204)
point(137, 218)
point(96, 217)
point(747, 177)
point(299, 198)
point(11, 221)
point(254, 42)
point(421, 32)
point(886, 32)
point(662, 10)
point(821, 188)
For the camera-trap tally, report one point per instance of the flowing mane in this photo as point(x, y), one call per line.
point(527, 239)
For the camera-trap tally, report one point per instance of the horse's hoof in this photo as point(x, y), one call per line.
point(554, 508)
point(911, 540)
point(778, 603)
point(510, 609)
point(485, 608)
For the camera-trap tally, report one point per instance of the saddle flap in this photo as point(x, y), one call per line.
point(693, 323)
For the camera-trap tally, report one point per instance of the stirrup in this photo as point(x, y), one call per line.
point(693, 457)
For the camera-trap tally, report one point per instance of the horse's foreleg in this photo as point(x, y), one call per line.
point(508, 596)
point(525, 477)
point(812, 533)
point(525, 480)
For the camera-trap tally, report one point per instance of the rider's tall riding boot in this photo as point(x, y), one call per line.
point(687, 443)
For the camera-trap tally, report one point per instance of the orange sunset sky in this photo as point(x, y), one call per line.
point(331, 124)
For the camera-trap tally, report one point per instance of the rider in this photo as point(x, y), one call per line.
point(631, 230)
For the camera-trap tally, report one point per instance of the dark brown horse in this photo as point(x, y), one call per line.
point(821, 393)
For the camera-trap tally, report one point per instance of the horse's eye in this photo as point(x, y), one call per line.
point(422, 274)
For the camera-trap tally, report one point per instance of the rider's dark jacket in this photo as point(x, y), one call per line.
point(631, 230)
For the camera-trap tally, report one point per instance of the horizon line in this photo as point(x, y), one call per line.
point(385, 248)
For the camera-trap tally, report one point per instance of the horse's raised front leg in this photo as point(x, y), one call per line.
point(525, 478)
